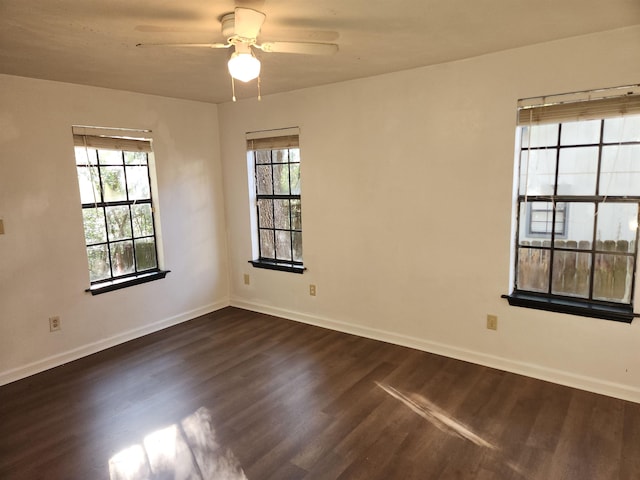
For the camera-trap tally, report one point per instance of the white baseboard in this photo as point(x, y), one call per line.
point(76, 353)
point(591, 384)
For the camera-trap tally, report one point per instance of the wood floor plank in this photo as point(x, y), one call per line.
point(630, 449)
point(247, 396)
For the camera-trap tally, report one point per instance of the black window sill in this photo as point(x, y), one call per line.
point(621, 313)
point(282, 266)
point(104, 287)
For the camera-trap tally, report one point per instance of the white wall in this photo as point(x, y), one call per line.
point(43, 264)
point(397, 172)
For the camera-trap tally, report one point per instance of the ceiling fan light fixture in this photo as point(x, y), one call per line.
point(244, 66)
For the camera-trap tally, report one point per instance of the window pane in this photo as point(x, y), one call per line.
point(145, 254)
point(95, 230)
point(135, 158)
point(122, 258)
point(537, 172)
point(524, 236)
point(294, 173)
point(281, 179)
point(142, 220)
point(114, 184)
point(533, 269)
point(580, 133)
point(89, 182)
point(267, 248)
point(281, 209)
point(571, 272)
point(283, 245)
point(622, 129)
point(620, 170)
point(263, 156)
point(98, 262)
point(579, 218)
point(265, 213)
point(612, 278)
point(577, 171)
point(617, 225)
point(138, 183)
point(118, 222)
point(294, 155)
point(86, 156)
point(296, 215)
point(264, 180)
point(536, 219)
point(280, 156)
point(540, 136)
point(297, 246)
point(110, 157)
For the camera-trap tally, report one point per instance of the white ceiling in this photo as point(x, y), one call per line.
point(92, 42)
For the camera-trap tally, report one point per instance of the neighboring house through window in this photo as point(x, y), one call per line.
point(578, 153)
point(117, 208)
point(274, 163)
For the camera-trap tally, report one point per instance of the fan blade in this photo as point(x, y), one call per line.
point(299, 47)
point(165, 29)
point(247, 22)
point(191, 45)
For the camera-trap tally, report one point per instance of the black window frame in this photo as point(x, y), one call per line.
point(121, 145)
point(590, 307)
point(273, 146)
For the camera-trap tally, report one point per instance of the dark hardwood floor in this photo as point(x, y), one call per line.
point(236, 394)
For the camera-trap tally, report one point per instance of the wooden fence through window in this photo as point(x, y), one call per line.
point(612, 276)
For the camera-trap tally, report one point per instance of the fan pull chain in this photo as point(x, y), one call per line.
point(233, 89)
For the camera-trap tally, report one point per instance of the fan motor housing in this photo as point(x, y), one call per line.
point(228, 25)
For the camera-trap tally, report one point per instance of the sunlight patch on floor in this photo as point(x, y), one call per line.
point(437, 417)
point(129, 464)
point(185, 450)
point(447, 424)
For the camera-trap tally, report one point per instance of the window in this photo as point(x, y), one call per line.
point(275, 164)
point(541, 218)
point(581, 156)
point(117, 209)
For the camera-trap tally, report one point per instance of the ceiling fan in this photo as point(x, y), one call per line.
point(241, 28)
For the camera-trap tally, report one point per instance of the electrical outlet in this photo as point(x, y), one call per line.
point(247, 279)
point(312, 290)
point(492, 322)
point(54, 324)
